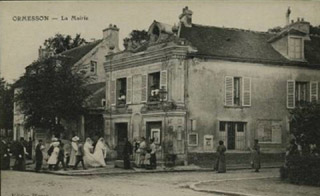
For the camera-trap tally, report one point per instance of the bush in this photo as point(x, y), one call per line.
point(302, 170)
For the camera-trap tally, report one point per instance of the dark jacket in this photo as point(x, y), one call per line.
point(39, 155)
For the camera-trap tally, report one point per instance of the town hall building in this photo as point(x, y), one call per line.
point(197, 84)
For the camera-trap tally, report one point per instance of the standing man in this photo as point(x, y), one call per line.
point(39, 156)
point(256, 156)
point(168, 152)
point(29, 148)
point(5, 155)
point(221, 160)
point(20, 163)
point(127, 152)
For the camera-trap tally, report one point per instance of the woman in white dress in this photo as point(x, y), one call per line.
point(88, 158)
point(100, 152)
point(54, 155)
point(74, 150)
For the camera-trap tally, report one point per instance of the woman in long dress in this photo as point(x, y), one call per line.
point(74, 150)
point(221, 160)
point(53, 159)
point(100, 152)
point(88, 158)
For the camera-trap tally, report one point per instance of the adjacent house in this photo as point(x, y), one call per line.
point(88, 58)
point(196, 84)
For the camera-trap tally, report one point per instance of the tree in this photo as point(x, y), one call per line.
point(49, 92)
point(6, 106)
point(305, 126)
point(136, 38)
point(60, 43)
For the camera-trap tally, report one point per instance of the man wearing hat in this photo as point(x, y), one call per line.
point(74, 150)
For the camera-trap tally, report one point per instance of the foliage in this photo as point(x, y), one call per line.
point(60, 43)
point(302, 170)
point(6, 105)
point(136, 38)
point(51, 91)
point(305, 126)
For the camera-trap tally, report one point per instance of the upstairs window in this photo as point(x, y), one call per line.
point(121, 93)
point(295, 48)
point(237, 91)
point(154, 86)
point(301, 92)
point(93, 67)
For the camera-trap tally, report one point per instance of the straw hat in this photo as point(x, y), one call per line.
point(75, 139)
point(54, 139)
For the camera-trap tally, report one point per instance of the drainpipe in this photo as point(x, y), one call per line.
point(187, 111)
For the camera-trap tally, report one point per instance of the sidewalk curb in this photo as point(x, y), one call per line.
point(86, 173)
point(195, 188)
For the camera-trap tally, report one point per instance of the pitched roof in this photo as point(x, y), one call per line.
point(98, 92)
point(75, 54)
point(242, 44)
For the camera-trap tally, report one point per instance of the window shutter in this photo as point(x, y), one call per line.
point(229, 91)
point(246, 92)
point(113, 93)
point(291, 94)
point(164, 81)
point(129, 90)
point(144, 88)
point(313, 91)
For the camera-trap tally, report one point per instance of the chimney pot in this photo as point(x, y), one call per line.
point(111, 34)
point(298, 20)
point(292, 21)
point(302, 19)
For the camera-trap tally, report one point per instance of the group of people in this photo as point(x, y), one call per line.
point(88, 154)
point(144, 153)
point(220, 164)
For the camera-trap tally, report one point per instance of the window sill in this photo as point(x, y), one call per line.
point(237, 107)
point(271, 143)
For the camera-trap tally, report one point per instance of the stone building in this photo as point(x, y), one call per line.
point(200, 84)
point(88, 58)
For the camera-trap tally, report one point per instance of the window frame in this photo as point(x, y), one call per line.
point(93, 67)
point(292, 52)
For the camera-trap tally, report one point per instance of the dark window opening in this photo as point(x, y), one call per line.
point(121, 91)
point(154, 87)
point(236, 91)
point(302, 92)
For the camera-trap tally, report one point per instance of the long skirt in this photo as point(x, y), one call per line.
point(220, 165)
point(256, 164)
point(73, 158)
point(137, 159)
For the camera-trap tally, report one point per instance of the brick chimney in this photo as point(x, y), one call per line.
point(111, 34)
point(186, 17)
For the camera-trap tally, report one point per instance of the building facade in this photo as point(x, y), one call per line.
point(196, 85)
point(88, 58)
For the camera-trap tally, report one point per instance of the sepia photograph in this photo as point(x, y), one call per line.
point(154, 98)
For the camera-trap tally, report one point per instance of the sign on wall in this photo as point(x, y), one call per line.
point(155, 133)
point(208, 142)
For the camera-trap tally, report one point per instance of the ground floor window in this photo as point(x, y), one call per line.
point(233, 134)
point(269, 131)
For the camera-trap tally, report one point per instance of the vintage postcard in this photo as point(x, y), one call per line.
point(117, 98)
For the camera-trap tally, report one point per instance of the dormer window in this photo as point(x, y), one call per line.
point(295, 48)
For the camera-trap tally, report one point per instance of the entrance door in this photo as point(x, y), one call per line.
point(122, 133)
point(231, 136)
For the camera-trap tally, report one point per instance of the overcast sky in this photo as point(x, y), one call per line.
point(20, 40)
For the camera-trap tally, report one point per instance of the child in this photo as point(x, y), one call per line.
point(147, 158)
point(79, 156)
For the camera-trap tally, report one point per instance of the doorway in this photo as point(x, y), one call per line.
point(231, 136)
point(122, 133)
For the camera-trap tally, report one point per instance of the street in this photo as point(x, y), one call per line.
point(266, 182)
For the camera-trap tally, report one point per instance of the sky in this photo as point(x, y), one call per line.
point(20, 41)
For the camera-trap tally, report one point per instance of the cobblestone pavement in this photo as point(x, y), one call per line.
point(144, 184)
